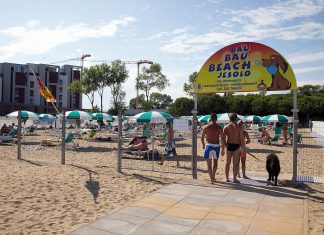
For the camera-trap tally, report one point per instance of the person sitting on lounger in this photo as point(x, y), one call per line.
point(138, 144)
point(264, 136)
point(4, 130)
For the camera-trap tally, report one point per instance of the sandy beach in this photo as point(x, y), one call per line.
point(38, 195)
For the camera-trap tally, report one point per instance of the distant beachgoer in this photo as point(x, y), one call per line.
point(310, 125)
point(284, 128)
point(4, 130)
point(212, 132)
point(264, 136)
point(170, 146)
point(242, 153)
point(234, 139)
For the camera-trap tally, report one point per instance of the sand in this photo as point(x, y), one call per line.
point(38, 195)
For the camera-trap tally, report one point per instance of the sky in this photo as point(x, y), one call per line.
point(178, 34)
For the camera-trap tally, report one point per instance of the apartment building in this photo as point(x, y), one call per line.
point(19, 88)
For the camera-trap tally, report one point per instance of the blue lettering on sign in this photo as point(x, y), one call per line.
point(211, 68)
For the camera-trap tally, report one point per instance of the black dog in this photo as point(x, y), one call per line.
point(273, 167)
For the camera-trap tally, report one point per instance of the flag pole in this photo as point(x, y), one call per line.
point(45, 98)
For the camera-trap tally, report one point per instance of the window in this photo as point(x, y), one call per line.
point(31, 101)
point(61, 82)
point(60, 89)
point(60, 104)
point(60, 97)
point(31, 93)
point(31, 84)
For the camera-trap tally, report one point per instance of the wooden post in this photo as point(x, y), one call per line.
point(295, 143)
point(194, 139)
point(19, 136)
point(63, 139)
point(120, 143)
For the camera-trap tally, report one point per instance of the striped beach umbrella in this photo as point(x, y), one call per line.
point(24, 115)
point(276, 118)
point(79, 115)
point(203, 118)
point(253, 118)
point(225, 118)
point(103, 116)
point(152, 117)
point(46, 116)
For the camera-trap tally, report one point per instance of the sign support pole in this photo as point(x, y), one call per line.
point(120, 134)
point(19, 136)
point(63, 139)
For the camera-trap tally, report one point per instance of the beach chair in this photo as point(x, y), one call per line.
point(6, 139)
point(277, 131)
point(299, 138)
point(30, 130)
point(13, 133)
point(146, 132)
point(92, 133)
point(275, 139)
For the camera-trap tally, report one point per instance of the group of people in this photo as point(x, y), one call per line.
point(5, 130)
point(141, 144)
point(234, 138)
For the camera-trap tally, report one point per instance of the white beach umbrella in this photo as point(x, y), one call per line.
point(24, 115)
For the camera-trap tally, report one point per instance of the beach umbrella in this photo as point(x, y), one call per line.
point(46, 116)
point(225, 118)
point(276, 118)
point(79, 115)
point(152, 117)
point(203, 118)
point(103, 116)
point(253, 118)
point(24, 115)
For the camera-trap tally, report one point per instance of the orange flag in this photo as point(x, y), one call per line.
point(45, 92)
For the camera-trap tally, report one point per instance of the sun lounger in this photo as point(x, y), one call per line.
point(6, 139)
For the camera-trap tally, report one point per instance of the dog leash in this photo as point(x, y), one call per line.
point(253, 156)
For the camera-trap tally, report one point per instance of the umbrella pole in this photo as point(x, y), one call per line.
point(153, 127)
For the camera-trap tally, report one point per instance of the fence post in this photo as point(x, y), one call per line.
point(295, 127)
point(19, 136)
point(63, 139)
point(194, 139)
point(120, 134)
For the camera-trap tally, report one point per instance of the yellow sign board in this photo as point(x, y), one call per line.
point(243, 67)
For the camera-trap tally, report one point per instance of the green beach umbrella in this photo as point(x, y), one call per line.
point(203, 118)
point(103, 116)
point(46, 116)
point(79, 115)
point(276, 118)
point(152, 117)
point(24, 115)
point(253, 118)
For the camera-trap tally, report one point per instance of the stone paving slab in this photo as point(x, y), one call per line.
point(197, 207)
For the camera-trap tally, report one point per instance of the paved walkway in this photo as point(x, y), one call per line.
point(196, 207)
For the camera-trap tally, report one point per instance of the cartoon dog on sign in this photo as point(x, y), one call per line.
point(279, 82)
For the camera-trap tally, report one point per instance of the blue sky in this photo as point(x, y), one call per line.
point(178, 34)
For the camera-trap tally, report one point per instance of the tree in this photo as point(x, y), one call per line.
point(182, 107)
point(115, 77)
point(147, 105)
point(86, 85)
point(189, 87)
point(311, 104)
point(132, 102)
point(150, 78)
point(160, 101)
point(310, 89)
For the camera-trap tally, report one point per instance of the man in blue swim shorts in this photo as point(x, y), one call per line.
point(212, 132)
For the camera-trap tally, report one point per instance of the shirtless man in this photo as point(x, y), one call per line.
point(234, 139)
point(212, 132)
point(243, 154)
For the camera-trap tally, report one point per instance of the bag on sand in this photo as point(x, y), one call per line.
point(149, 155)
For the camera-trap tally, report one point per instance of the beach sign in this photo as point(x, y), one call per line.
point(244, 67)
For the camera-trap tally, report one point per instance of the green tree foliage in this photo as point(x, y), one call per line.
point(210, 104)
point(181, 107)
point(150, 78)
point(86, 85)
point(132, 102)
point(160, 101)
point(189, 87)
